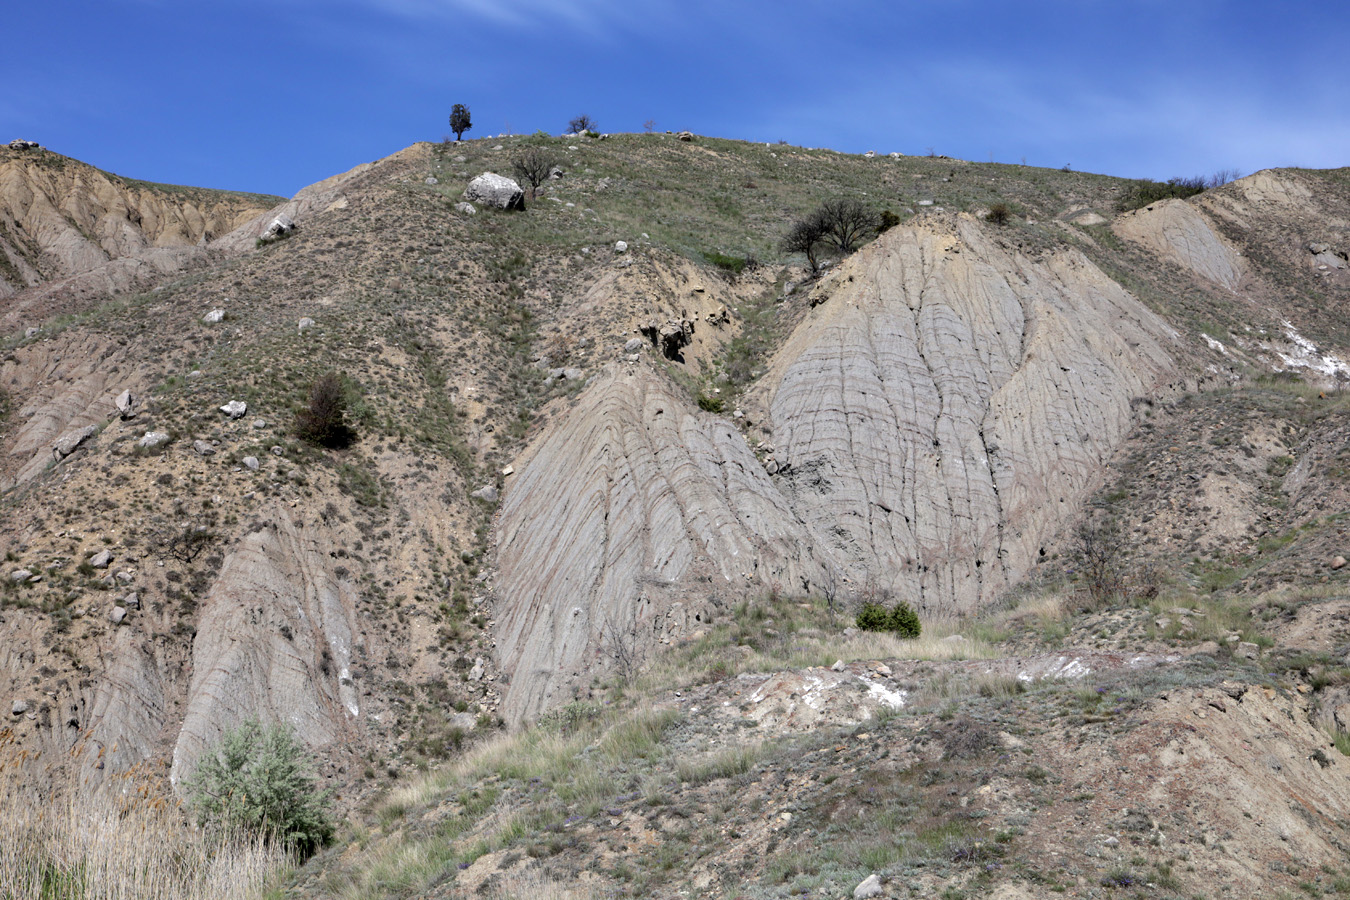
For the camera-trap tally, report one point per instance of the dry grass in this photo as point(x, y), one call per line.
point(123, 842)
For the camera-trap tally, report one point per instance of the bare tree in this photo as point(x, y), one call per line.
point(1097, 550)
point(847, 222)
point(649, 126)
point(581, 123)
point(805, 237)
point(533, 165)
point(624, 648)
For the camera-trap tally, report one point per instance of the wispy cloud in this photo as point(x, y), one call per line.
point(597, 19)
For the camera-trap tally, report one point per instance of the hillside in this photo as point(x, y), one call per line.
point(545, 518)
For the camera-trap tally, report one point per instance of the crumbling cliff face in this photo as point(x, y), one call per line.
point(934, 421)
point(61, 218)
point(274, 641)
point(634, 510)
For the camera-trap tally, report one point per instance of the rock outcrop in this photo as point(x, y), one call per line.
point(935, 421)
point(1180, 233)
point(275, 641)
point(495, 190)
point(951, 403)
point(635, 503)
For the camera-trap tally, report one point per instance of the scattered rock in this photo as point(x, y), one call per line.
point(67, 443)
point(838, 666)
point(869, 887)
point(124, 403)
point(925, 202)
point(118, 615)
point(467, 208)
point(685, 135)
point(870, 154)
point(281, 226)
point(509, 470)
point(18, 144)
point(126, 576)
point(633, 345)
point(131, 601)
point(487, 492)
point(496, 190)
point(101, 559)
point(214, 316)
point(20, 575)
point(18, 708)
point(31, 331)
point(153, 439)
point(251, 463)
point(306, 322)
point(556, 172)
point(235, 408)
point(721, 317)
point(620, 246)
point(478, 670)
point(277, 450)
point(431, 179)
point(1338, 562)
point(671, 337)
point(1247, 650)
point(203, 448)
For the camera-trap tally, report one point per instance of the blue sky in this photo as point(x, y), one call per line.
point(271, 96)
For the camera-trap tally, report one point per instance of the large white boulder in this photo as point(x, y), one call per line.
point(495, 190)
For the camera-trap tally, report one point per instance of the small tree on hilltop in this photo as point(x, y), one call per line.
point(581, 123)
point(533, 165)
point(805, 237)
point(459, 120)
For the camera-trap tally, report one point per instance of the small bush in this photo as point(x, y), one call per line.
point(256, 779)
point(710, 404)
point(999, 213)
point(323, 420)
point(889, 220)
point(900, 619)
point(733, 265)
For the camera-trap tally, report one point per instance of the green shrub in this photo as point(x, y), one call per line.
point(999, 213)
point(257, 779)
point(889, 220)
point(734, 265)
point(900, 619)
point(710, 404)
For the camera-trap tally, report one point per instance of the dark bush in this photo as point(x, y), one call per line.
point(999, 213)
point(710, 404)
point(323, 420)
point(889, 220)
